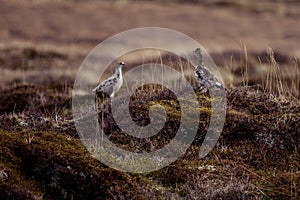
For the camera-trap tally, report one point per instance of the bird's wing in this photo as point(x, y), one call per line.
point(106, 86)
point(205, 78)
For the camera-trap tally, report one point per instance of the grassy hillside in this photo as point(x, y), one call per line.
point(257, 155)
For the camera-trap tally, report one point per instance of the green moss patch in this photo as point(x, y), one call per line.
point(53, 166)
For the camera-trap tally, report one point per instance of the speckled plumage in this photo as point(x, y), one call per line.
point(205, 79)
point(111, 85)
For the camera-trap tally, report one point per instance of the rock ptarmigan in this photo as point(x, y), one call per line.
point(111, 85)
point(205, 78)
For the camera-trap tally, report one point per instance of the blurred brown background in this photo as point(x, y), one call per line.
point(46, 40)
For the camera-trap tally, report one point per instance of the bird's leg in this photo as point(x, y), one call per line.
point(100, 107)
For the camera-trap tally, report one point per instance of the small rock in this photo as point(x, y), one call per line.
point(3, 175)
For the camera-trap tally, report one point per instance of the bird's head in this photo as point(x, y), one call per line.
point(121, 64)
point(199, 56)
point(197, 51)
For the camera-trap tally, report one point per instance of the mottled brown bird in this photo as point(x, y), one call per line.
point(110, 86)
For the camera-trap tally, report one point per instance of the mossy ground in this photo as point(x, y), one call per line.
point(257, 155)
